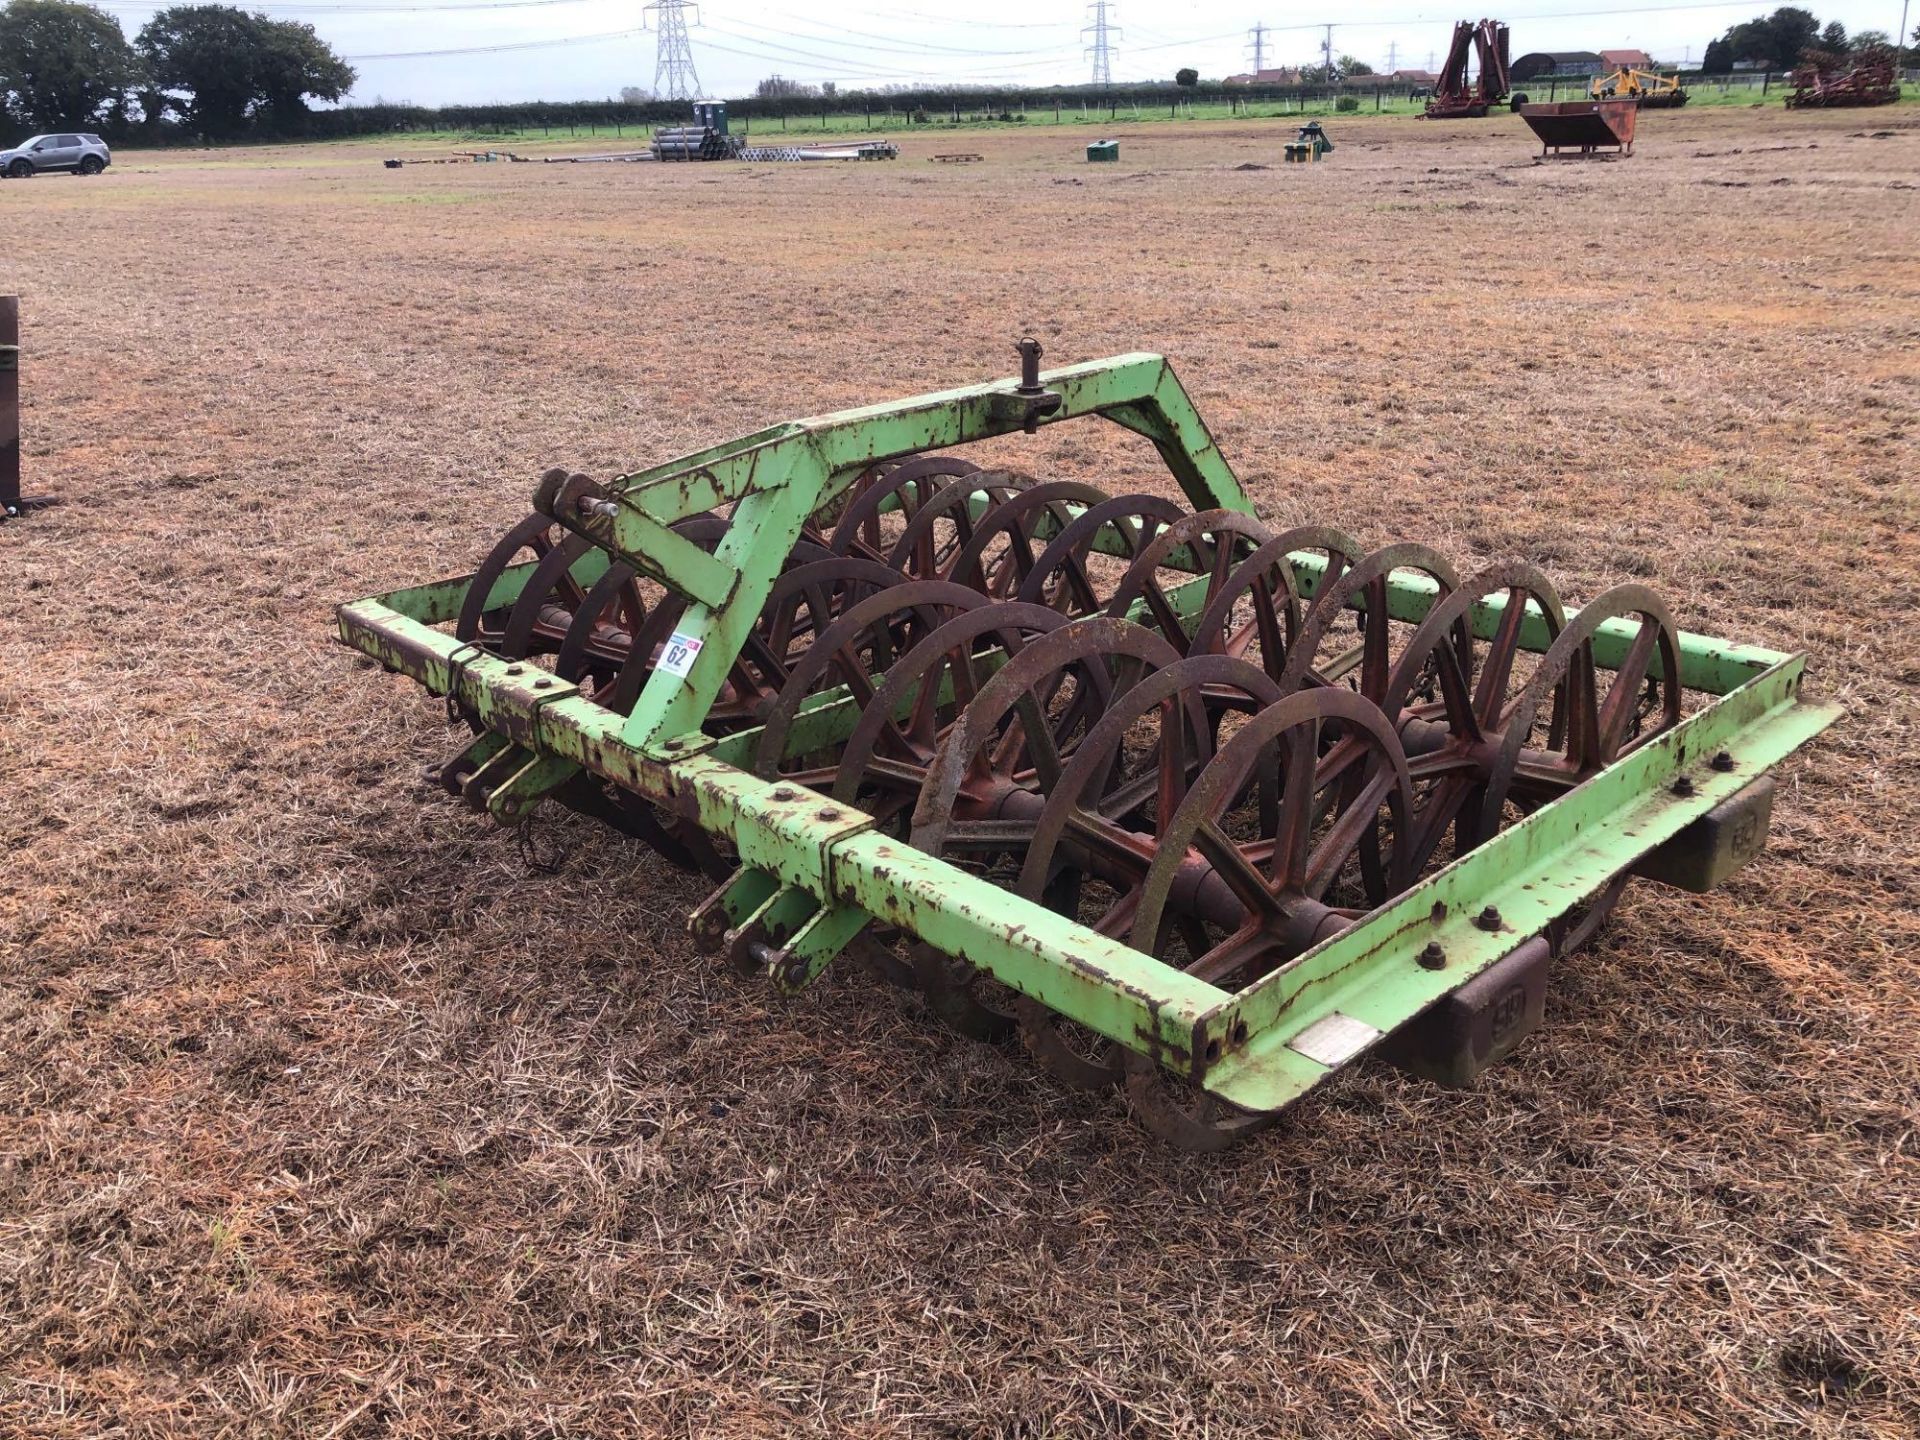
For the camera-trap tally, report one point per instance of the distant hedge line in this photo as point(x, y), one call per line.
point(933, 104)
point(936, 104)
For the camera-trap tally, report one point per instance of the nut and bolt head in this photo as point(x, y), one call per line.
point(1683, 785)
point(1488, 919)
point(1433, 957)
point(1722, 762)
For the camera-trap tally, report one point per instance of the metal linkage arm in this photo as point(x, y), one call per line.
point(779, 478)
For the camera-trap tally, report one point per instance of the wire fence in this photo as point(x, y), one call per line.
point(932, 110)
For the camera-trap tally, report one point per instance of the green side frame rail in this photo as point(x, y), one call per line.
point(814, 873)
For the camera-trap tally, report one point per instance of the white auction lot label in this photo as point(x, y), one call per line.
point(682, 650)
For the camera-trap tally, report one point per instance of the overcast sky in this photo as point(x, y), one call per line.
point(878, 42)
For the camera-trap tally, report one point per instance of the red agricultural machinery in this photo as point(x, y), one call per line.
point(1822, 84)
point(1454, 97)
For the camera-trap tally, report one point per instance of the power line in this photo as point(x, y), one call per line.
point(674, 77)
point(853, 70)
point(1101, 49)
point(494, 49)
point(893, 41)
point(1561, 14)
point(872, 49)
point(1052, 56)
point(786, 55)
point(950, 19)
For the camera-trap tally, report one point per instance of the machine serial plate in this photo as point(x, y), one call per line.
point(1334, 1039)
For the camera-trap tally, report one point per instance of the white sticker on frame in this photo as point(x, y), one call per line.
point(681, 651)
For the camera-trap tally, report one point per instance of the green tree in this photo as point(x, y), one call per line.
point(294, 63)
point(779, 87)
point(1870, 40)
point(1775, 40)
point(224, 70)
point(1186, 76)
point(1347, 65)
point(61, 64)
point(1834, 38)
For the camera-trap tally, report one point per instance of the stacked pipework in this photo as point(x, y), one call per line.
point(690, 142)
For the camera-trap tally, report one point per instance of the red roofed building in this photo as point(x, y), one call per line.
point(1627, 59)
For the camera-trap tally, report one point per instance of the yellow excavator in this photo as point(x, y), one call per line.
point(1651, 90)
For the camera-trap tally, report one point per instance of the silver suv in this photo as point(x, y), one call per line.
point(82, 154)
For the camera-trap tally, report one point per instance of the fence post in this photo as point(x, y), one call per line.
point(9, 404)
point(12, 503)
point(1766, 79)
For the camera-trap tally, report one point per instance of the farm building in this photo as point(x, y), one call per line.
point(1290, 75)
point(1541, 64)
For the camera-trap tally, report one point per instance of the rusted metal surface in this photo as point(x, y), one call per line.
point(1584, 128)
point(1195, 808)
point(1455, 97)
point(1870, 82)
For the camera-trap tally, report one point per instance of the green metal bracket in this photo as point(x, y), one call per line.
point(514, 798)
point(1369, 980)
point(727, 908)
point(779, 479)
point(814, 945)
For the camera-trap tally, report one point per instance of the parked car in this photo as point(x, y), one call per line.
point(82, 154)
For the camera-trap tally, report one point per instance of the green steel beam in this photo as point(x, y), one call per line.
point(800, 837)
point(1538, 870)
point(1534, 872)
point(811, 868)
point(778, 479)
point(1713, 666)
point(439, 601)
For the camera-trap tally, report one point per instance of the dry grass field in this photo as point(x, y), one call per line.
point(324, 1112)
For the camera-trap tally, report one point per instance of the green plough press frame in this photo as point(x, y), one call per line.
point(818, 871)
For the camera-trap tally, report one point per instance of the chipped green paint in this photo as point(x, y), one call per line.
point(813, 870)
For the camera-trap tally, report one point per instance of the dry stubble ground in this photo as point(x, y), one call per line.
point(322, 1113)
